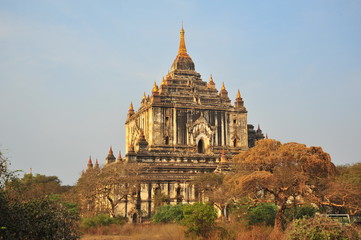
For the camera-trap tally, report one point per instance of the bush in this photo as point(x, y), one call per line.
point(101, 220)
point(199, 218)
point(263, 214)
point(36, 220)
point(169, 214)
point(320, 228)
point(301, 212)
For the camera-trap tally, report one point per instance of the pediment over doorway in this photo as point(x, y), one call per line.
point(201, 135)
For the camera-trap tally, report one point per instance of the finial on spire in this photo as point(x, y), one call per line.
point(182, 51)
point(259, 128)
point(223, 87)
point(155, 87)
point(211, 84)
point(266, 135)
point(238, 94)
point(119, 159)
point(131, 110)
point(110, 158)
point(90, 163)
point(96, 165)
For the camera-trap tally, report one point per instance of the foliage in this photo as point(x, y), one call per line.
point(160, 199)
point(212, 187)
point(169, 214)
point(285, 174)
point(37, 219)
point(112, 183)
point(298, 212)
point(350, 173)
point(199, 219)
point(341, 195)
point(34, 186)
point(36, 216)
point(321, 228)
point(6, 174)
point(263, 214)
point(101, 220)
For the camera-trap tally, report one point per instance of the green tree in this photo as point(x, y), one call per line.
point(169, 214)
point(37, 219)
point(35, 186)
point(199, 218)
point(263, 214)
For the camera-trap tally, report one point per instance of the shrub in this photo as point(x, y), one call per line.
point(199, 219)
point(320, 228)
point(101, 220)
point(38, 219)
point(263, 214)
point(301, 212)
point(169, 214)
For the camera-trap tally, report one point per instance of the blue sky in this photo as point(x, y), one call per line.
point(69, 69)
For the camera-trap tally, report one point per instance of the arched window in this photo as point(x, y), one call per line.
point(200, 146)
point(166, 140)
point(235, 142)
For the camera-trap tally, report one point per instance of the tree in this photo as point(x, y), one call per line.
point(114, 183)
point(169, 214)
point(37, 219)
point(199, 218)
point(350, 173)
point(285, 174)
point(321, 227)
point(341, 196)
point(35, 186)
point(5, 174)
point(212, 187)
point(263, 214)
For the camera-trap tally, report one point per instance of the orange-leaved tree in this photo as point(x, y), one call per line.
point(285, 174)
point(103, 189)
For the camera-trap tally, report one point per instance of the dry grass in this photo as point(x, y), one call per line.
point(136, 232)
point(236, 231)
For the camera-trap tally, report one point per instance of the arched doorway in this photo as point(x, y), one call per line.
point(200, 146)
point(179, 196)
point(135, 218)
point(235, 142)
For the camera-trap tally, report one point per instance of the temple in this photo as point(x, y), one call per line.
point(186, 126)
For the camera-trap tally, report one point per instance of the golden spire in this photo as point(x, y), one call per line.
point(155, 87)
point(144, 96)
point(211, 79)
point(131, 107)
point(238, 94)
point(163, 81)
point(182, 51)
point(223, 87)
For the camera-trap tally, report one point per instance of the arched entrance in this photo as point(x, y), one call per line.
point(200, 146)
